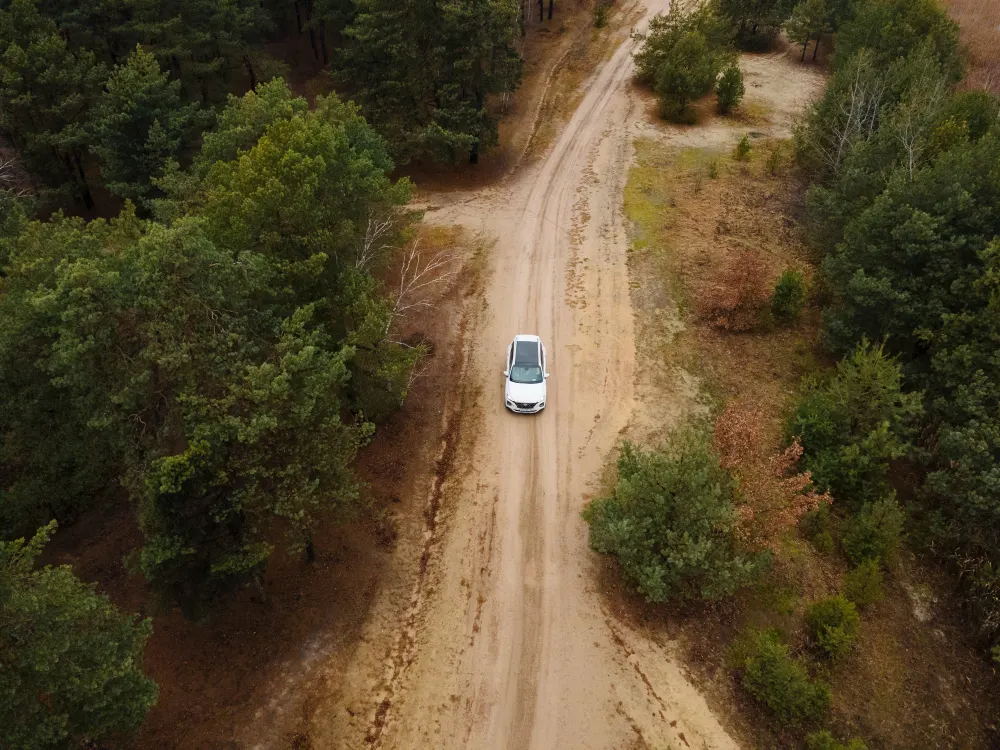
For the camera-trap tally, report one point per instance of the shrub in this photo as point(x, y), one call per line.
point(601, 14)
point(713, 169)
point(774, 160)
point(670, 522)
point(789, 296)
point(863, 585)
point(824, 740)
point(773, 494)
point(742, 292)
point(833, 623)
point(825, 543)
point(779, 681)
point(730, 89)
point(874, 532)
point(852, 425)
point(743, 149)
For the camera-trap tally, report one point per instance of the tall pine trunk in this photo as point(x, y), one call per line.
point(550, 9)
point(250, 71)
point(88, 199)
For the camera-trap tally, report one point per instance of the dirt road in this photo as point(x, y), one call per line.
point(506, 643)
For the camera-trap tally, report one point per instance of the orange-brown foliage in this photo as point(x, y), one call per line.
point(743, 289)
point(773, 494)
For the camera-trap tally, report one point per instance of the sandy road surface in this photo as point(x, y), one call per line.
point(505, 643)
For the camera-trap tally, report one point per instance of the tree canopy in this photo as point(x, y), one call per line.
point(904, 207)
point(228, 361)
point(70, 662)
point(423, 72)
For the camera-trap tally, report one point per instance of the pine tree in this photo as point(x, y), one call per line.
point(809, 20)
point(138, 125)
point(47, 91)
point(70, 661)
point(423, 71)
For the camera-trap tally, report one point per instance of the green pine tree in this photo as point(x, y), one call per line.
point(70, 661)
point(810, 19)
point(47, 91)
point(423, 72)
point(138, 125)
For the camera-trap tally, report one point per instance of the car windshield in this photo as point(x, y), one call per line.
point(526, 374)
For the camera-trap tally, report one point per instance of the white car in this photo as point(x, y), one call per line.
point(524, 387)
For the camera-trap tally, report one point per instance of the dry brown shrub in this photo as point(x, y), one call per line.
point(773, 494)
point(741, 293)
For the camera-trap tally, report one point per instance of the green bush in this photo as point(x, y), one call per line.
point(779, 681)
point(833, 623)
point(815, 525)
point(854, 424)
point(743, 149)
point(863, 585)
point(825, 543)
point(824, 740)
point(601, 14)
point(774, 160)
point(670, 522)
point(789, 296)
point(874, 531)
point(730, 89)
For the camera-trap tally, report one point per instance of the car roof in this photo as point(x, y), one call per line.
point(526, 337)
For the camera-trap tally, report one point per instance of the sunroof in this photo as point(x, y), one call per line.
point(526, 353)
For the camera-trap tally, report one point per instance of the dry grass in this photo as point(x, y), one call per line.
point(980, 29)
point(695, 226)
point(908, 684)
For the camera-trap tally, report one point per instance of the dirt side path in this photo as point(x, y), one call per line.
point(505, 644)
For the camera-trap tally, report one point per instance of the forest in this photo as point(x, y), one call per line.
point(195, 310)
point(195, 319)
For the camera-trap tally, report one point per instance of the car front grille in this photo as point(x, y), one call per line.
point(524, 406)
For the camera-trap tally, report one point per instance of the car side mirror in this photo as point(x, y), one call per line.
point(506, 373)
point(546, 374)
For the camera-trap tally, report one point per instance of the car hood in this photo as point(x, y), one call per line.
point(526, 393)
